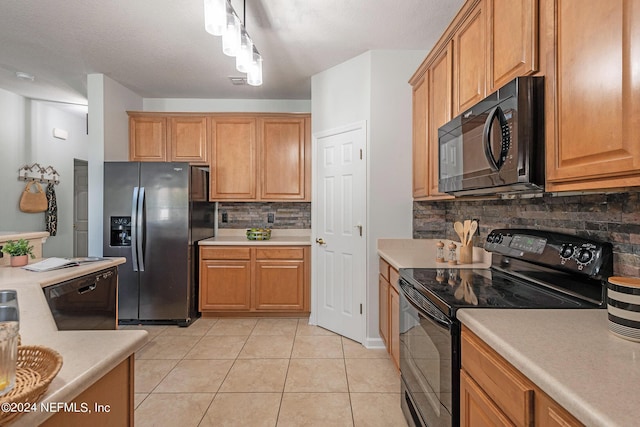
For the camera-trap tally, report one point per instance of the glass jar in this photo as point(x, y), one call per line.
point(440, 252)
point(452, 257)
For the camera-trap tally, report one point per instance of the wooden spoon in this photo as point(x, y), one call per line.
point(467, 227)
point(459, 293)
point(472, 231)
point(459, 229)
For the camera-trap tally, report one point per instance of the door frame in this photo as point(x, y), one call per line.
point(313, 317)
point(76, 164)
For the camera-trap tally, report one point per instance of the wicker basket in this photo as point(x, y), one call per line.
point(259, 233)
point(36, 368)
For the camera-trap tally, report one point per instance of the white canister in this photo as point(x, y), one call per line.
point(623, 305)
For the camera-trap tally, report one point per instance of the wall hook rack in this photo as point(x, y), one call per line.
point(35, 172)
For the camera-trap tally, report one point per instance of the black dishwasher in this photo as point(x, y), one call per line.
point(85, 303)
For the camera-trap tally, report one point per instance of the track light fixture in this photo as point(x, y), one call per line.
point(220, 19)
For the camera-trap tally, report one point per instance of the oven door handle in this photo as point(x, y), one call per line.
point(429, 312)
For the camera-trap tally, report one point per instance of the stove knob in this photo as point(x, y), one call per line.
point(584, 256)
point(490, 238)
point(497, 239)
point(566, 251)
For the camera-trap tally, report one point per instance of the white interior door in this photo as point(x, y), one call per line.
point(80, 208)
point(339, 208)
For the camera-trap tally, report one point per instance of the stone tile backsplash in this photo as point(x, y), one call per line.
point(249, 214)
point(606, 217)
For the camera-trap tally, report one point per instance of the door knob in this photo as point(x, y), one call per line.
point(320, 241)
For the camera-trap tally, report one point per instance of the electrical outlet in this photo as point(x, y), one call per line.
point(271, 217)
point(225, 217)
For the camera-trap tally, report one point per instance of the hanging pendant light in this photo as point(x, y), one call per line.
point(215, 18)
point(254, 75)
point(231, 37)
point(220, 19)
point(245, 54)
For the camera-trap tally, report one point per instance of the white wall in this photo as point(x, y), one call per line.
point(373, 87)
point(26, 137)
point(227, 105)
point(109, 140)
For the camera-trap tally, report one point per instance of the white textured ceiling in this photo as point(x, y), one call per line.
point(159, 48)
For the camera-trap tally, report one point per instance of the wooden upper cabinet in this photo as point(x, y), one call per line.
point(469, 66)
point(420, 143)
point(593, 93)
point(284, 158)
point(440, 82)
point(233, 160)
point(512, 36)
point(147, 139)
point(188, 139)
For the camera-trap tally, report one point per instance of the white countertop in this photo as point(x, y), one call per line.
point(279, 237)
point(571, 356)
point(87, 355)
point(16, 235)
point(421, 253)
point(10, 275)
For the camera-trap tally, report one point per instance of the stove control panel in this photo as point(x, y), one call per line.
point(555, 250)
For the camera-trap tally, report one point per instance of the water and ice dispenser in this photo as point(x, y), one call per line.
point(120, 231)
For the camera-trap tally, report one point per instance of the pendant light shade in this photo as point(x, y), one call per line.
point(254, 75)
point(231, 37)
point(215, 16)
point(245, 54)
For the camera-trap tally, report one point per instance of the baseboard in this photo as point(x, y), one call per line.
point(373, 343)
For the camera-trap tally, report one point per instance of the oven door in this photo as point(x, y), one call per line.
point(429, 362)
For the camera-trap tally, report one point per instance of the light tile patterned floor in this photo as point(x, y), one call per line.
point(262, 372)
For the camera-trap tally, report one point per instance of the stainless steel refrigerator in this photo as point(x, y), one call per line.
point(154, 215)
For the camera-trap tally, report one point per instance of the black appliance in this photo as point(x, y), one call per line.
point(497, 146)
point(85, 303)
point(530, 269)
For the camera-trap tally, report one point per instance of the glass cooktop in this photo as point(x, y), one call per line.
point(451, 289)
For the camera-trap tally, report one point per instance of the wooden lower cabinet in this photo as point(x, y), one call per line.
point(494, 393)
point(113, 392)
point(254, 279)
point(476, 408)
point(389, 310)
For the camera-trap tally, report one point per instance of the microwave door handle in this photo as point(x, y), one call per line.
point(505, 142)
point(134, 229)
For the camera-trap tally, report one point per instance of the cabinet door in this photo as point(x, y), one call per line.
point(512, 40)
point(440, 82)
point(593, 126)
point(233, 158)
point(420, 143)
point(550, 414)
point(188, 139)
point(469, 60)
point(279, 285)
point(225, 285)
point(394, 325)
point(284, 150)
point(147, 139)
point(476, 408)
point(383, 310)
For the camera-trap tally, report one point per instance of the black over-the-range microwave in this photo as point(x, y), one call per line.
point(497, 146)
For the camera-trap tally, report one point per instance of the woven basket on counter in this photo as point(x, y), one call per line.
point(259, 233)
point(36, 368)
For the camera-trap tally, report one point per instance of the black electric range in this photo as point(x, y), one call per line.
point(530, 269)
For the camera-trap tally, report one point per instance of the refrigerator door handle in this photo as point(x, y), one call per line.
point(134, 229)
point(140, 230)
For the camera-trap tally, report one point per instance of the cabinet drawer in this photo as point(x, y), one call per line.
point(384, 269)
point(225, 253)
point(509, 389)
point(394, 277)
point(280, 253)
